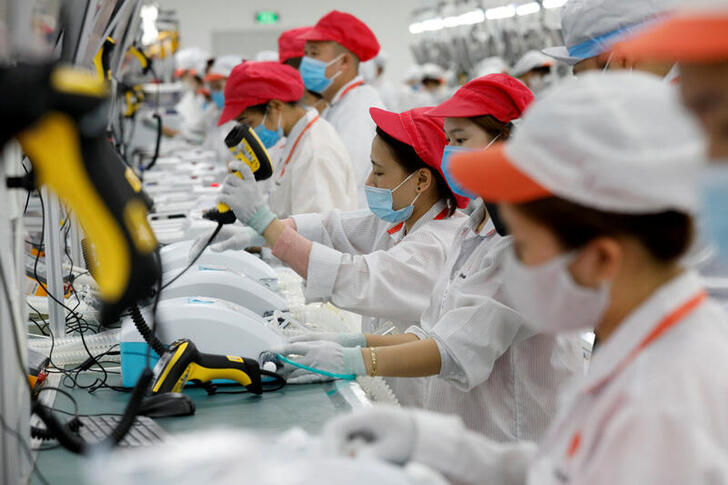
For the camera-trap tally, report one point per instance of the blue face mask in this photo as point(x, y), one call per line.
point(445, 166)
point(268, 137)
point(313, 73)
point(218, 97)
point(381, 203)
point(714, 200)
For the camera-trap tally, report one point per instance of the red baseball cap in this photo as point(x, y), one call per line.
point(346, 30)
point(290, 44)
point(252, 83)
point(687, 36)
point(499, 95)
point(422, 132)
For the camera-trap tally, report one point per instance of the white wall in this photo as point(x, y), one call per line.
point(388, 19)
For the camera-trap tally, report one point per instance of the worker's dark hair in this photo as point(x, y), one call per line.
point(263, 107)
point(666, 235)
point(294, 62)
point(493, 127)
point(408, 159)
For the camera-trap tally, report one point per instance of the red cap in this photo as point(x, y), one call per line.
point(684, 37)
point(252, 83)
point(346, 30)
point(491, 175)
point(499, 95)
point(290, 44)
point(423, 133)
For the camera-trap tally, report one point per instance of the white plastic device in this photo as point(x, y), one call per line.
point(215, 326)
point(218, 282)
point(175, 257)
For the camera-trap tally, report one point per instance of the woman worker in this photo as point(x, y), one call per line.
point(600, 222)
point(313, 173)
point(383, 262)
point(488, 367)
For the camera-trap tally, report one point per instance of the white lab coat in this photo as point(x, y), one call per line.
point(348, 113)
point(318, 177)
point(368, 266)
point(191, 108)
point(659, 418)
point(387, 92)
point(496, 374)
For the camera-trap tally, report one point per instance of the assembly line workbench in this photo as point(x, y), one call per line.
point(306, 406)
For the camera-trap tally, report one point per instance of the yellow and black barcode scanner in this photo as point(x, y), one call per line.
point(246, 147)
point(62, 130)
point(182, 362)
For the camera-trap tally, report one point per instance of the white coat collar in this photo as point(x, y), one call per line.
point(665, 300)
point(397, 231)
point(343, 91)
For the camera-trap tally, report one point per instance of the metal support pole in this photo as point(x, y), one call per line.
point(54, 259)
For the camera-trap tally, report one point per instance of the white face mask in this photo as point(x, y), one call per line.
point(549, 298)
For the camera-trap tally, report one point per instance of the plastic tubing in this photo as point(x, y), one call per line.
point(70, 350)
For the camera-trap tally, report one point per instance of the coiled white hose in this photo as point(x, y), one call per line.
point(70, 350)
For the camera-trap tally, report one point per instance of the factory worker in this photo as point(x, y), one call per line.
point(491, 65)
point(334, 48)
point(599, 224)
point(590, 27)
point(387, 90)
point(290, 52)
point(216, 78)
point(411, 94)
point(696, 37)
point(433, 83)
point(313, 172)
point(190, 70)
point(383, 262)
point(534, 70)
point(493, 371)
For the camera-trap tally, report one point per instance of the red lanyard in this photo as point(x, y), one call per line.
point(666, 324)
point(443, 213)
point(344, 93)
point(295, 143)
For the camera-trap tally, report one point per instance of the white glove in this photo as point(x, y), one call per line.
point(354, 339)
point(245, 198)
point(231, 236)
point(328, 359)
point(383, 432)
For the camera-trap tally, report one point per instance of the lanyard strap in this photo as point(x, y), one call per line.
point(295, 143)
point(443, 213)
point(666, 324)
point(658, 330)
point(346, 91)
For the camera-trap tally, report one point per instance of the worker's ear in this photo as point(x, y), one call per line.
point(424, 179)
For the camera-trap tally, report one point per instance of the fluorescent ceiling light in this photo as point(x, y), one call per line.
point(500, 12)
point(554, 3)
point(473, 17)
point(528, 8)
point(468, 18)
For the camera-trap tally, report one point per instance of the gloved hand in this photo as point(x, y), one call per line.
point(383, 432)
point(245, 198)
point(330, 359)
point(231, 236)
point(354, 339)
